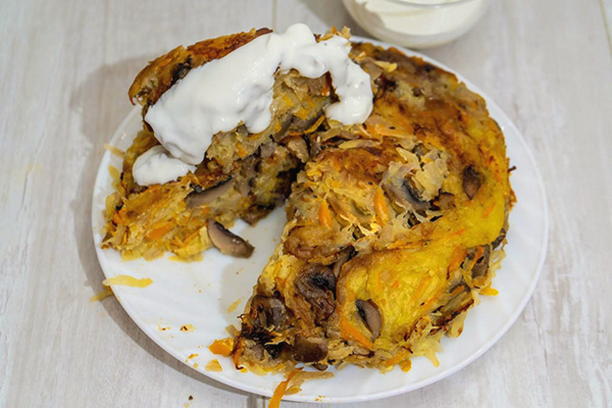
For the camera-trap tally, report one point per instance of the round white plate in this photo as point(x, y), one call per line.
point(201, 293)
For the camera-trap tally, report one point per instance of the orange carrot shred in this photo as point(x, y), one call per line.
point(380, 206)
point(456, 258)
point(159, 232)
point(350, 332)
point(223, 347)
point(488, 211)
point(280, 390)
point(325, 217)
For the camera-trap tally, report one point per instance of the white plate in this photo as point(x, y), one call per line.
point(200, 293)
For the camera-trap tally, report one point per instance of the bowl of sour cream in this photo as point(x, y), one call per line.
point(416, 23)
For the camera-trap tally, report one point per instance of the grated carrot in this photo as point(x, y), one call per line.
point(118, 217)
point(223, 347)
point(325, 217)
point(350, 332)
point(401, 355)
point(315, 125)
point(456, 258)
point(280, 390)
point(242, 152)
point(380, 206)
point(405, 365)
point(160, 231)
point(488, 211)
point(421, 288)
point(430, 301)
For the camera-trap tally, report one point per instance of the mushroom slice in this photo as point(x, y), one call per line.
point(414, 197)
point(298, 146)
point(500, 238)
point(317, 285)
point(472, 180)
point(444, 201)
point(267, 312)
point(481, 266)
point(343, 257)
point(227, 242)
point(369, 313)
point(309, 350)
point(403, 192)
point(197, 199)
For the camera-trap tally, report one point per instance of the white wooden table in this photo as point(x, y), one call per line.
point(65, 67)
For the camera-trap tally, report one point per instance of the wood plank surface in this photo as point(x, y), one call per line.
point(65, 67)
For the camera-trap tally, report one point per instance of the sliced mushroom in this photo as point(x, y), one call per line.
point(274, 350)
point(309, 350)
point(472, 180)
point(267, 312)
point(405, 194)
point(460, 301)
point(481, 266)
point(299, 148)
point(413, 195)
point(266, 150)
point(257, 212)
point(317, 285)
point(320, 366)
point(201, 197)
point(369, 313)
point(500, 238)
point(343, 257)
point(227, 242)
point(444, 201)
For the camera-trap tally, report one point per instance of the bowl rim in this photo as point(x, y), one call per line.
point(437, 4)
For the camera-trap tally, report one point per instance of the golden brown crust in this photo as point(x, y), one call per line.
point(157, 77)
point(416, 198)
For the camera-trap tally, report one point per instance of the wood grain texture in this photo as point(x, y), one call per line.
point(65, 68)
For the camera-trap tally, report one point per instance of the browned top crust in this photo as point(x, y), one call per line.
point(161, 73)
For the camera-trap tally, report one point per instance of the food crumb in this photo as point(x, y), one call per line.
point(232, 330)
point(192, 355)
point(115, 150)
point(214, 365)
point(489, 292)
point(103, 294)
point(195, 365)
point(127, 280)
point(234, 305)
point(187, 328)
point(223, 347)
point(190, 398)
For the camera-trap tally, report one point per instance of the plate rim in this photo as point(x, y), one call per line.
point(499, 114)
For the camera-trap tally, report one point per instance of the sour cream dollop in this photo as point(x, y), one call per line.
point(156, 166)
point(223, 93)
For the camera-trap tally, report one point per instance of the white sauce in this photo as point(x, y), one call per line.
point(237, 88)
point(420, 21)
point(156, 166)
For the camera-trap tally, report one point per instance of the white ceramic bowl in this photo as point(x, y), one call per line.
point(202, 293)
point(417, 24)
